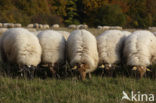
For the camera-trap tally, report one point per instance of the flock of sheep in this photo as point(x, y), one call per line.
point(81, 49)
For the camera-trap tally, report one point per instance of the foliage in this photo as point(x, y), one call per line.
point(127, 13)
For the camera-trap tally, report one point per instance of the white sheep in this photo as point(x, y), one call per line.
point(45, 26)
point(65, 34)
point(53, 49)
point(55, 26)
point(140, 50)
point(2, 30)
point(82, 52)
point(17, 25)
point(72, 26)
point(110, 44)
point(30, 25)
point(19, 46)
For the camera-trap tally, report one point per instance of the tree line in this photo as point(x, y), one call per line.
point(126, 13)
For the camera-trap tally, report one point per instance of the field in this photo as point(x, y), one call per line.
point(70, 90)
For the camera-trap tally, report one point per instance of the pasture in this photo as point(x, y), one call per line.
point(98, 89)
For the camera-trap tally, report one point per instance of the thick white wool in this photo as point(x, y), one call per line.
point(140, 48)
point(53, 46)
point(110, 44)
point(82, 48)
point(21, 46)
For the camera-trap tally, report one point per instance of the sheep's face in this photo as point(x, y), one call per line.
point(141, 70)
point(81, 68)
point(27, 71)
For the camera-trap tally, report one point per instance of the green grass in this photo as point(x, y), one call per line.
point(96, 90)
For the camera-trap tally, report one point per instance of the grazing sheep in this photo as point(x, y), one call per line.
point(36, 25)
point(116, 27)
point(65, 34)
point(127, 33)
point(17, 25)
point(82, 52)
point(72, 26)
point(55, 26)
point(82, 26)
point(110, 44)
point(30, 26)
point(8, 25)
point(2, 30)
point(40, 26)
point(19, 46)
point(45, 26)
point(154, 33)
point(140, 50)
point(99, 27)
point(53, 50)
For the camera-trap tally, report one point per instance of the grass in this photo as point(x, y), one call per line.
point(96, 90)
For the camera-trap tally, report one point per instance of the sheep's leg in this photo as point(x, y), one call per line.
point(52, 70)
point(83, 75)
point(90, 76)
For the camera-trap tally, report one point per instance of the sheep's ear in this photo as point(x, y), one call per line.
point(74, 68)
point(134, 68)
point(102, 66)
point(147, 69)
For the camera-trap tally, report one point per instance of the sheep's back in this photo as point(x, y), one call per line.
point(22, 47)
point(53, 46)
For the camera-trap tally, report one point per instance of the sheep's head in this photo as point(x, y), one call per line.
point(81, 69)
point(28, 71)
point(141, 70)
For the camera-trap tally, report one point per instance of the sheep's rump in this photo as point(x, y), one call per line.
point(140, 48)
point(53, 46)
point(82, 48)
point(110, 44)
point(21, 46)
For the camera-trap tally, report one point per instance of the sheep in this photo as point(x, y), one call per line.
point(40, 26)
point(99, 27)
point(127, 33)
point(21, 47)
point(82, 26)
point(109, 45)
point(53, 46)
point(17, 25)
point(55, 26)
point(116, 27)
point(82, 52)
point(8, 25)
point(65, 34)
point(154, 33)
point(2, 30)
point(36, 25)
point(103, 27)
point(72, 26)
point(140, 50)
point(30, 26)
point(45, 26)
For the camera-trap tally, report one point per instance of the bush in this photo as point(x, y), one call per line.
point(109, 14)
